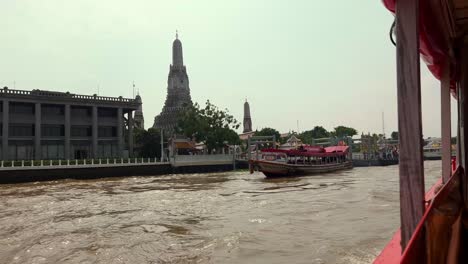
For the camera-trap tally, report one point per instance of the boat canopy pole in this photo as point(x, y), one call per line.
point(463, 115)
point(411, 168)
point(446, 123)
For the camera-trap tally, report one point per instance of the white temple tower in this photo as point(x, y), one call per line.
point(139, 121)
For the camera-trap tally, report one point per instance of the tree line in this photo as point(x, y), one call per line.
point(216, 128)
point(308, 136)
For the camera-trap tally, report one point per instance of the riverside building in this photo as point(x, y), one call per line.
point(41, 124)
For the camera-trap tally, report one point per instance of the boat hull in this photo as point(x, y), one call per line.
point(279, 169)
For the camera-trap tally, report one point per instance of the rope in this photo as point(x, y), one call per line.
point(392, 30)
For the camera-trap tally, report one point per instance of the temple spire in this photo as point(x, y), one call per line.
point(177, 57)
point(247, 118)
point(178, 91)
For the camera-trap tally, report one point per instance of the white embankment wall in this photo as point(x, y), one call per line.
point(194, 160)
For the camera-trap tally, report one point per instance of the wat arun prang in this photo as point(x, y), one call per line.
point(178, 91)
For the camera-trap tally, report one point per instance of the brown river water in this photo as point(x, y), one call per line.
point(231, 217)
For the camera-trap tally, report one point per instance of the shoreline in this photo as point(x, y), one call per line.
point(35, 174)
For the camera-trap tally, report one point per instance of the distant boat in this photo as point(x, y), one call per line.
point(302, 161)
point(433, 150)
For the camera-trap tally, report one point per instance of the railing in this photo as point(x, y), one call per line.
point(370, 156)
point(106, 162)
point(67, 95)
point(187, 160)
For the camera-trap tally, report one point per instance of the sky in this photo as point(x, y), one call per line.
point(299, 63)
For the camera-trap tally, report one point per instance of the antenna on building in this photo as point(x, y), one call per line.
point(383, 124)
point(177, 34)
point(133, 89)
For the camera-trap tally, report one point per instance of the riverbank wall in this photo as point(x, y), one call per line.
point(11, 175)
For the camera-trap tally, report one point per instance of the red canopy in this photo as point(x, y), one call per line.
point(433, 45)
point(329, 152)
point(336, 149)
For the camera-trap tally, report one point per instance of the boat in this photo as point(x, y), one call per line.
point(433, 224)
point(433, 150)
point(305, 160)
point(380, 158)
point(374, 151)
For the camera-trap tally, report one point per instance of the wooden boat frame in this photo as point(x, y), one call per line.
point(432, 229)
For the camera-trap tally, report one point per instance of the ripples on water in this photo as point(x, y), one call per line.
point(232, 217)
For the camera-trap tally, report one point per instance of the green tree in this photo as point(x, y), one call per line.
point(394, 135)
point(342, 131)
point(210, 125)
point(453, 140)
point(148, 142)
point(268, 131)
point(317, 132)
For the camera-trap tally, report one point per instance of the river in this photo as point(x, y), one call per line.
point(231, 217)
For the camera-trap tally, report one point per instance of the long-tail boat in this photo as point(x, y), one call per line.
point(304, 160)
point(434, 225)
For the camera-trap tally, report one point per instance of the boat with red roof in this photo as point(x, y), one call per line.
point(304, 160)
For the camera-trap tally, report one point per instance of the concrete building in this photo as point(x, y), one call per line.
point(178, 91)
point(41, 124)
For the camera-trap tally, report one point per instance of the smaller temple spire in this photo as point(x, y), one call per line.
point(247, 118)
point(177, 57)
point(177, 34)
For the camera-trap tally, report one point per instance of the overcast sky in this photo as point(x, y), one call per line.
point(323, 63)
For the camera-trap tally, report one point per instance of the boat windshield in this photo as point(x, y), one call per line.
point(281, 157)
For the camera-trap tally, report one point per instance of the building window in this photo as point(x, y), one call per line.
point(21, 130)
point(53, 130)
point(108, 150)
point(81, 131)
point(21, 108)
point(52, 150)
point(80, 111)
point(52, 110)
point(21, 151)
point(107, 112)
point(107, 131)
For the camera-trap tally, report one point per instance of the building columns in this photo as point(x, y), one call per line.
point(130, 133)
point(67, 132)
point(95, 132)
point(5, 126)
point(120, 130)
point(37, 131)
